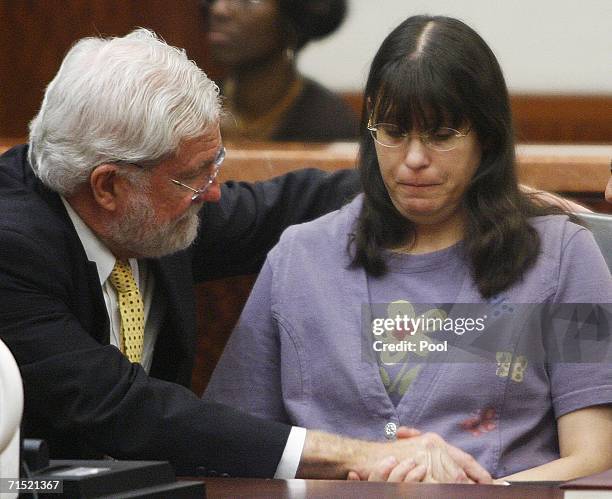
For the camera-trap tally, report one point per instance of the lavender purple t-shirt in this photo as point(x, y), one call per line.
point(297, 354)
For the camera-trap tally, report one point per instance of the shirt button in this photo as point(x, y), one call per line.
point(390, 430)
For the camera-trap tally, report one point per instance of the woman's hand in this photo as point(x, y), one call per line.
point(437, 464)
point(390, 470)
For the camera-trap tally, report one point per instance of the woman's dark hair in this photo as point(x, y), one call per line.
point(433, 71)
point(312, 19)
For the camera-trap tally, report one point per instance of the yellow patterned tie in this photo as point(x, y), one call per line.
point(131, 310)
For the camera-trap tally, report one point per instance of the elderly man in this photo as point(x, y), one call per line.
point(97, 219)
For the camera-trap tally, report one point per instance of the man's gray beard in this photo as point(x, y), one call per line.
point(140, 232)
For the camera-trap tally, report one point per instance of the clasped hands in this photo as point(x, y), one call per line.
point(430, 459)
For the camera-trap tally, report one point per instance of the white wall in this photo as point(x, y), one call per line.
point(544, 46)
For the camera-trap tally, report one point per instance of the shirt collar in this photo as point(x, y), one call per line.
point(95, 249)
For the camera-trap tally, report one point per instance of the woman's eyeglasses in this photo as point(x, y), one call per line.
point(441, 139)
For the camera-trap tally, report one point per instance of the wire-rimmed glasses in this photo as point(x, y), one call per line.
point(442, 139)
point(217, 162)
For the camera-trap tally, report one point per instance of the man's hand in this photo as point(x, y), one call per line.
point(413, 457)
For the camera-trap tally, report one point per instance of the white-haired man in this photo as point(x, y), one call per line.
point(97, 219)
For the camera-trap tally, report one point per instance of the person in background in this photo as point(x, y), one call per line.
point(441, 223)
point(107, 218)
point(608, 192)
point(266, 97)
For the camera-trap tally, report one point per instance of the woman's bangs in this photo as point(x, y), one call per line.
point(413, 96)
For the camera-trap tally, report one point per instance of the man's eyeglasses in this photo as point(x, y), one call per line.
point(197, 192)
point(217, 162)
point(442, 139)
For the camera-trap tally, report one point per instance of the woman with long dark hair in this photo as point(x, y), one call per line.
point(427, 301)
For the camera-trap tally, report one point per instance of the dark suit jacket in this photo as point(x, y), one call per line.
point(81, 394)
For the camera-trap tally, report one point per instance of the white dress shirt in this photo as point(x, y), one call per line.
point(98, 253)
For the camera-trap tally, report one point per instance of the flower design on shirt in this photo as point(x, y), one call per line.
point(399, 380)
point(480, 422)
point(403, 308)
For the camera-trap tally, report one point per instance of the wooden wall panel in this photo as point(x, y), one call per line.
point(35, 35)
point(563, 118)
